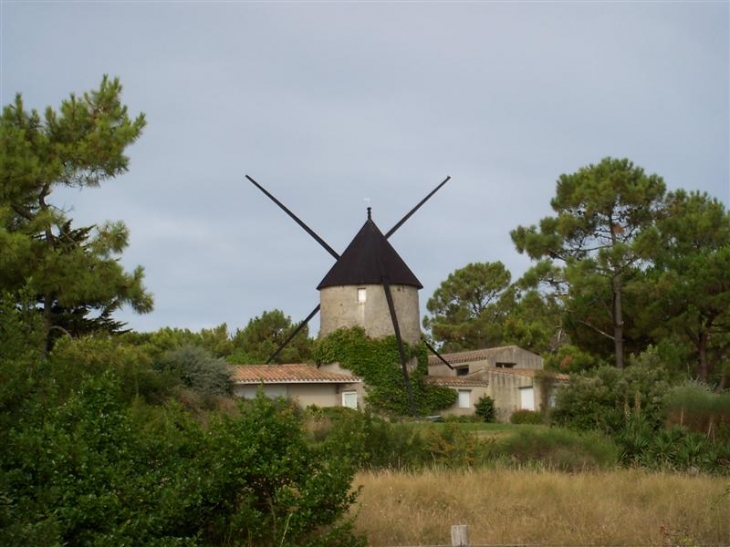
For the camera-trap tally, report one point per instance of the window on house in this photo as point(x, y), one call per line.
point(464, 398)
point(462, 371)
point(349, 399)
point(361, 295)
point(527, 398)
point(506, 365)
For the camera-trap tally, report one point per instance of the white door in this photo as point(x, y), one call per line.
point(464, 399)
point(349, 399)
point(527, 398)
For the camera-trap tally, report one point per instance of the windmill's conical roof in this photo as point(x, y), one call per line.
point(367, 259)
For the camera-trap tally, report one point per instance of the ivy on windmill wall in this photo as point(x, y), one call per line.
point(377, 362)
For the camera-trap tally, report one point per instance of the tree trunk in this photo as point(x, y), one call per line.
point(47, 324)
point(618, 320)
point(702, 365)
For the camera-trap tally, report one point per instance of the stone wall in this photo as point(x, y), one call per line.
point(340, 307)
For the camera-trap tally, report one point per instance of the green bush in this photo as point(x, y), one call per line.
point(484, 408)
point(604, 399)
point(671, 448)
point(557, 448)
point(198, 370)
point(525, 417)
point(89, 469)
point(450, 445)
point(699, 409)
point(270, 487)
point(571, 359)
point(367, 441)
point(74, 360)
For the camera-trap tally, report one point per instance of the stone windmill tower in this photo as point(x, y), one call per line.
point(354, 293)
point(369, 286)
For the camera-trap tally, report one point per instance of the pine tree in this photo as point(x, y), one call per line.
point(70, 271)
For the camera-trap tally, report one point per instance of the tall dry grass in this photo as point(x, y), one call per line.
point(503, 506)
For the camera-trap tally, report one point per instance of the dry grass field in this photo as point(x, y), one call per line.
point(508, 507)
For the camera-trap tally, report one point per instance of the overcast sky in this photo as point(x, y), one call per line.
point(331, 104)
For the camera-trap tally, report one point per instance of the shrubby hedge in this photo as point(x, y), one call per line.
point(372, 443)
point(89, 467)
point(653, 423)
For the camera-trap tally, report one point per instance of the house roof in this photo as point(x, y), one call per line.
point(367, 259)
point(287, 374)
point(470, 356)
point(454, 381)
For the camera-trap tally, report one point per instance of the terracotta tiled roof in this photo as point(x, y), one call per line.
point(468, 356)
point(455, 381)
point(287, 374)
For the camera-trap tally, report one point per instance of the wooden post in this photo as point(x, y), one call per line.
point(459, 535)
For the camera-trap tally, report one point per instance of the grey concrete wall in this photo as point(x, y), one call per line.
point(475, 394)
point(440, 370)
point(505, 390)
point(522, 358)
point(304, 394)
point(339, 308)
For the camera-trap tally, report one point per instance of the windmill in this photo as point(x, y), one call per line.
point(369, 286)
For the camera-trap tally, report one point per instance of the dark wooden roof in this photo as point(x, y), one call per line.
point(367, 259)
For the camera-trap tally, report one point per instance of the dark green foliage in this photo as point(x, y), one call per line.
point(378, 363)
point(569, 358)
point(21, 330)
point(73, 360)
point(484, 408)
point(603, 399)
point(365, 440)
point(371, 443)
point(525, 417)
point(262, 336)
point(69, 271)
point(253, 344)
point(79, 473)
point(89, 469)
point(269, 487)
point(671, 448)
point(158, 343)
point(597, 236)
point(689, 285)
point(469, 306)
point(653, 425)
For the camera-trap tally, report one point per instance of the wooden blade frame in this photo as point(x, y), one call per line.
point(416, 208)
point(437, 354)
point(401, 349)
point(293, 334)
point(306, 228)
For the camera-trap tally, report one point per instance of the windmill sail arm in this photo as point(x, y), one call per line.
point(416, 208)
point(293, 334)
point(296, 219)
point(437, 354)
point(399, 340)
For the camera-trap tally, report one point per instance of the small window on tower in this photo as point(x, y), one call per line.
point(361, 295)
